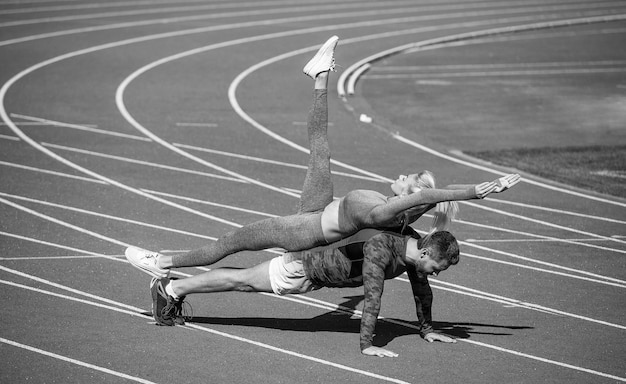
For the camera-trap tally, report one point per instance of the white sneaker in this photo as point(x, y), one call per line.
point(323, 60)
point(146, 261)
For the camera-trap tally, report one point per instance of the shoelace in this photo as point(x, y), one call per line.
point(169, 311)
point(178, 311)
point(332, 65)
point(184, 311)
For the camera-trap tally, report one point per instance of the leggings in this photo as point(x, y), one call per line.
point(295, 232)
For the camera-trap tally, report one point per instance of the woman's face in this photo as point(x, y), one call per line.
point(405, 185)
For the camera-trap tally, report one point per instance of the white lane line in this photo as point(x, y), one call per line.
point(515, 256)
point(205, 202)
point(114, 218)
point(575, 276)
point(389, 7)
point(81, 127)
point(74, 361)
point(325, 306)
point(55, 173)
point(197, 125)
point(141, 162)
point(573, 240)
point(63, 223)
point(545, 72)
point(182, 19)
point(47, 243)
point(152, 10)
point(477, 166)
point(482, 295)
point(130, 78)
point(544, 237)
point(269, 161)
point(568, 275)
point(531, 305)
point(445, 67)
point(559, 211)
point(14, 79)
point(547, 224)
point(88, 232)
point(458, 221)
point(321, 304)
point(434, 43)
point(219, 333)
point(69, 289)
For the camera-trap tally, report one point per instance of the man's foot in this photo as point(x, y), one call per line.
point(166, 310)
point(146, 261)
point(324, 59)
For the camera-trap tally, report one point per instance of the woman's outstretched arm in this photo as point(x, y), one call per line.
point(399, 204)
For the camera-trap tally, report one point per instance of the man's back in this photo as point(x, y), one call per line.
point(341, 264)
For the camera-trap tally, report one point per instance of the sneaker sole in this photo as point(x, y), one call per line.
point(155, 296)
point(320, 53)
point(142, 268)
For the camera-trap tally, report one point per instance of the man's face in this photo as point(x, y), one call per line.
point(429, 266)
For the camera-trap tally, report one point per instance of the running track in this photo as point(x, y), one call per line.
point(164, 125)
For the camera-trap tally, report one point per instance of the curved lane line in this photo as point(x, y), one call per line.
point(232, 88)
point(432, 43)
point(14, 79)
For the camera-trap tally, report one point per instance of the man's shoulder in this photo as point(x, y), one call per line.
point(385, 242)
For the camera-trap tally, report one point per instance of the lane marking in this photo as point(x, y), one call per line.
point(197, 125)
point(140, 162)
point(500, 349)
point(73, 361)
point(458, 221)
point(547, 224)
point(55, 173)
point(219, 333)
point(150, 10)
point(573, 270)
point(445, 67)
point(110, 217)
point(81, 127)
point(133, 122)
point(546, 209)
point(269, 161)
point(530, 305)
point(618, 283)
point(577, 271)
point(545, 72)
point(581, 240)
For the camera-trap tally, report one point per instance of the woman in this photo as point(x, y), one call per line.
point(320, 220)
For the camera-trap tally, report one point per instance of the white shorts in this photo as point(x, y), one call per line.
point(287, 276)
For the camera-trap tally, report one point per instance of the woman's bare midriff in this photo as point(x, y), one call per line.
point(330, 222)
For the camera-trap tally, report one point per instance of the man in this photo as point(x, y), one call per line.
point(365, 259)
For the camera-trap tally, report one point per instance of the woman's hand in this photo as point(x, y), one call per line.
point(380, 352)
point(506, 182)
point(483, 189)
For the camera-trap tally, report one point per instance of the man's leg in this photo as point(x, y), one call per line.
point(254, 279)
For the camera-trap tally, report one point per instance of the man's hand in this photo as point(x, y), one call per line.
point(432, 336)
point(506, 182)
point(380, 352)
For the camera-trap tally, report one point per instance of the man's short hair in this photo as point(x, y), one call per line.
point(445, 246)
